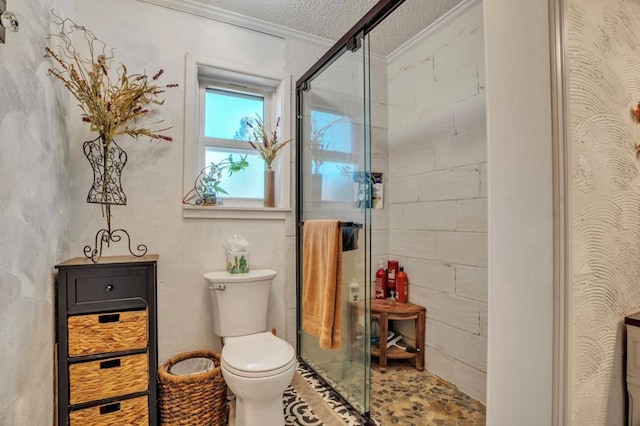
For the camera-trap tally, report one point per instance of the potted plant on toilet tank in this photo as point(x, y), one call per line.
point(237, 248)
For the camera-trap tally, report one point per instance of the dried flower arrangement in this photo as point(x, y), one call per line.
point(112, 100)
point(264, 141)
point(318, 144)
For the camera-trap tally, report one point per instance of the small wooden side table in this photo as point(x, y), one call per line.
point(388, 309)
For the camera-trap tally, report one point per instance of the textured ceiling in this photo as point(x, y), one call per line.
point(331, 19)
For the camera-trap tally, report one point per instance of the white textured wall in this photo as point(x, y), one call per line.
point(34, 215)
point(604, 68)
point(146, 38)
point(438, 194)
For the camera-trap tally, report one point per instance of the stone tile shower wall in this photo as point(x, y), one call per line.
point(604, 69)
point(34, 213)
point(438, 191)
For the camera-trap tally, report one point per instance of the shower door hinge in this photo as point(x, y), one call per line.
point(355, 42)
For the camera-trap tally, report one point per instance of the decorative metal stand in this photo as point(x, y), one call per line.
point(107, 160)
point(108, 236)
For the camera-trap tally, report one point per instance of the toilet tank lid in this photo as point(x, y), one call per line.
point(253, 275)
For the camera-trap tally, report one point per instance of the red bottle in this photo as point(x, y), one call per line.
point(392, 270)
point(381, 282)
point(402, 285)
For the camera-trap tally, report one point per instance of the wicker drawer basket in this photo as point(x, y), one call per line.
point(131, 412)
point(194, 399)
point(102, 333)
point(108, 378)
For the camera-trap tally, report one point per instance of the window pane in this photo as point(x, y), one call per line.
point(338, 181)
point(331, 131)
point(248, 183)
point(225, 111)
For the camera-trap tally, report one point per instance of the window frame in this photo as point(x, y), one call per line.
point(232, 76)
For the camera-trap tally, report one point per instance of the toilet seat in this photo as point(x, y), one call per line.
point(257, 355)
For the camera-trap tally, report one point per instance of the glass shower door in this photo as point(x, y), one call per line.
point(334, 183)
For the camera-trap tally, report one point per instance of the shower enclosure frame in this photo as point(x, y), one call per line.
point(351, 41)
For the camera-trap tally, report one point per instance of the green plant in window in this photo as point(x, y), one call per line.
point(207, 185)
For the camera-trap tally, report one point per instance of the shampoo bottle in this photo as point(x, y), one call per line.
point(354, 290)
point(402, 284)
point(381, 282)
point(392, 270)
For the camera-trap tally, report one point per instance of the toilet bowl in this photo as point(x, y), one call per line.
point(256, 365)
point(257, 369)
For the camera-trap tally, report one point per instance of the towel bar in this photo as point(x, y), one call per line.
point(349, 234)
point(342, 224)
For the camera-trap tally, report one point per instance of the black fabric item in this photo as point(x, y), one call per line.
point(349, 238)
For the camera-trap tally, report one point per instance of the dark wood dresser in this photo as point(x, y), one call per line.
point(106, 341)
point(632, 356)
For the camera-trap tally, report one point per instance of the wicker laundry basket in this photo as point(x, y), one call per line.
point(198, 398)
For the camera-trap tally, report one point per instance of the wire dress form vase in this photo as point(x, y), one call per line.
point(107, 160)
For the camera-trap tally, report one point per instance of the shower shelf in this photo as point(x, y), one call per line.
point(390, 310)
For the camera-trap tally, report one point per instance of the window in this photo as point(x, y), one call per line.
point(332, 153)
point(219, 97)
point(224, 133)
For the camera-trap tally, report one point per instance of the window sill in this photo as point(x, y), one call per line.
point(222, 212)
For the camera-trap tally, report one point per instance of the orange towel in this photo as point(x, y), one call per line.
point(321, 281)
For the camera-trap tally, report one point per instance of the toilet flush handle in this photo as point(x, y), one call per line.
point(218, 287)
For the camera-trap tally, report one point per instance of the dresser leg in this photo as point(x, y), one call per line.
point(634, 404)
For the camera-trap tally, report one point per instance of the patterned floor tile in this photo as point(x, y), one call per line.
point(328, 395)
point(296, 410)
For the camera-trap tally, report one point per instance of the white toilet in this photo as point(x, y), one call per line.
point(256, 365)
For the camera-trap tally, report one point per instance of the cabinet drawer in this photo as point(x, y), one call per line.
point(112, 332)
point(103, 288)
point(106, 378)
point(132, 411)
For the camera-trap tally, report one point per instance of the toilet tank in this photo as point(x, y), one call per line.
point(239, 301)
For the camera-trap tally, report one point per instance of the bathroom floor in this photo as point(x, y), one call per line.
point(401, 396)
point(405, 396)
